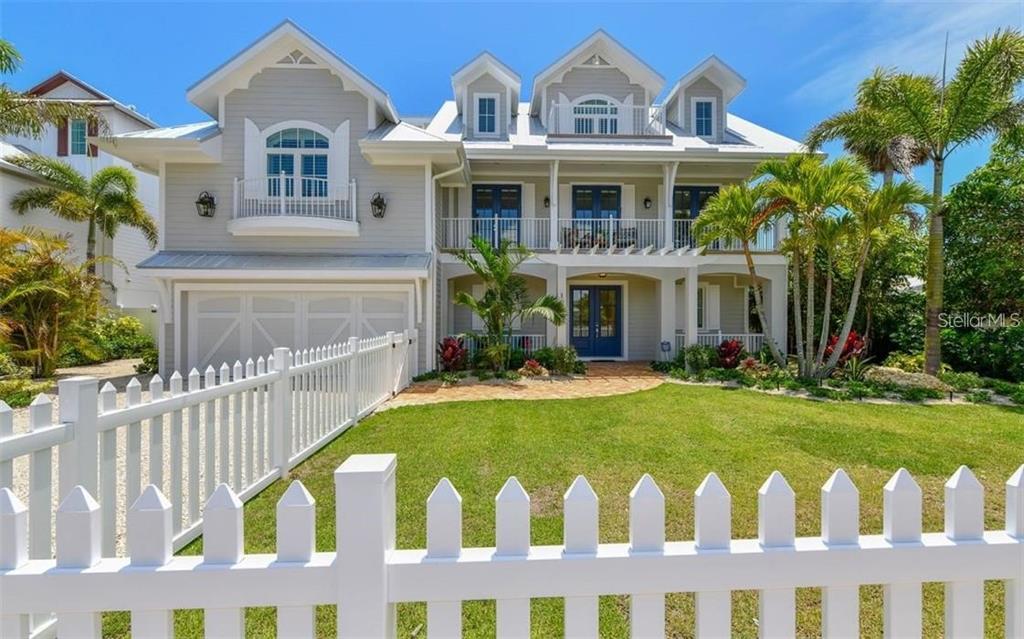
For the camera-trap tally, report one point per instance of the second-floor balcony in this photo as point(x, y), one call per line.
point(603, 119)
point(575, 235)
point(294, 206)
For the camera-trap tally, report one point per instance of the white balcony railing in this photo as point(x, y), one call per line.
point(530, 232)
point(287, 195)
point(605, 120)
point(752, 342)
point(585, 234)
point(683, 237)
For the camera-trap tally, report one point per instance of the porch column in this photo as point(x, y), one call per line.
point(562, 332)
point(777, 289)
point(668, 172)
point(553, 209)
point(668, 312)
point(551, 280)
point(691, 305)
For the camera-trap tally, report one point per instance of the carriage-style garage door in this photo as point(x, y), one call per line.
point(226, 326)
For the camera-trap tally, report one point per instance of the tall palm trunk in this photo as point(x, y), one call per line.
point(90, 247)
point(759, 308)
point(837, 351)
point(798, 325)
point(887, 174)
point(826, 317)
point(933, 287)
point(809, 326)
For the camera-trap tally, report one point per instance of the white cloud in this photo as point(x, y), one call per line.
point(907, 36)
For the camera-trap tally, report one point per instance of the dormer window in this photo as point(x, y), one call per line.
point(487, 114)
point(596, 115)
point(704, 117)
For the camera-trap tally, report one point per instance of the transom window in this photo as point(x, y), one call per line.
point(595, 116)
point(703, 118)
point(77, 133)
point(291, 148)
point(487, 114)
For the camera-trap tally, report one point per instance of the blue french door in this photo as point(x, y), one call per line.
point(595, 320)
point(590, 206)
point(687, 203)
point(497, 209)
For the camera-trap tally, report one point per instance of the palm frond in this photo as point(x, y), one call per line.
point(57, 172)
point(10, 59)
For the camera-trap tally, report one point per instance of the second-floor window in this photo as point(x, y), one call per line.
point(77, 132)
point(703, 118)
point(595, 116)
point(487, 115)
point(297, 149)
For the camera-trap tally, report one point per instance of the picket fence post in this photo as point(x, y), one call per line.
point(13, 553)
point(79, 406)
point(1015, 528)
point(352, 380)
point(414, 356)
point(364, 535)
point(392, 358)
point(281, 412)
point(78, 547)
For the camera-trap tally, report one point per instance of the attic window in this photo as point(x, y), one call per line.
point(703, 114)
point(296, 57)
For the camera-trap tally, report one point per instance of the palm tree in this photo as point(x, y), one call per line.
point(105, 202)
point(27, 116)
point(736, 214)
point(831, 232)
point(506, 298)
point(808, 189)
point(874, 213)
point(868, 135)
point(941, 117)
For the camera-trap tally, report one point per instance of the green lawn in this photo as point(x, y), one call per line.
point(676, 433)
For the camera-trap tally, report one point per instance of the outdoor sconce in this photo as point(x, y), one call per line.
point(206, 205)
point(647, 203)
point(378, 205)
point(547, 202)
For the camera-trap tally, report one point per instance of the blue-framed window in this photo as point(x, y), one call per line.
point(486, 115)
point(314, 175)
point(290, 147)
point(703, 118)
point(496, 212)
point(596, 202)
point(79, 129)
point(688, 201)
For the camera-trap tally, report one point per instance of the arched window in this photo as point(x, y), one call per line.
point(595, 115)
point(298, 149)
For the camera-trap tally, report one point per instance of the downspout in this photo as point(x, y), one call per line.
point(435, 271)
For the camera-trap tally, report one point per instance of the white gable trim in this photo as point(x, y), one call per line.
point(718, 72)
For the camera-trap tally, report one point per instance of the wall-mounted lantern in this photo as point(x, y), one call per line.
point(648, 203)
point(547, 202)
point(378, 205)
point(206, 204)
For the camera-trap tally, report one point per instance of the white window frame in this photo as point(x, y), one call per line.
point(611, 104)
point(71, 137)
point(714, 115)
point(298, 152)
point(477, 97)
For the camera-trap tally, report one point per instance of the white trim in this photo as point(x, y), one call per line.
point(570, 282)
point(292, 226)
point(246, 275)
point(714, 116)
point(295, 124)
point(477, 133)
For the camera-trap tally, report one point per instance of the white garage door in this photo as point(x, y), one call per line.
point(224, 326)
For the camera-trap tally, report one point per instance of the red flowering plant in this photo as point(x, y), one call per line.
point(854, 347)
point(730, 352)
point(452, 354)
point(532, 368)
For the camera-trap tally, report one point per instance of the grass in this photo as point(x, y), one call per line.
point(678, 434)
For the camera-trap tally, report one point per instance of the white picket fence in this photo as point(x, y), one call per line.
point(244, 426)
point(367, 575)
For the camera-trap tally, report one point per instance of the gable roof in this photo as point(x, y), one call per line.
point(485, 62)
point(99, 98)
point(600, 43)
point(280, 41)
point(716, 70)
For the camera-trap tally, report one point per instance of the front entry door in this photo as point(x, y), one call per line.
point(595, 320)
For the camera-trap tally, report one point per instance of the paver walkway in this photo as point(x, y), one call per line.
point(602, 378)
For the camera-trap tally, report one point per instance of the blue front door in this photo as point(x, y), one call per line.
point(595, 320)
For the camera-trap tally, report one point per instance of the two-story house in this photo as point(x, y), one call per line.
point(132, 291)
point(307, 211)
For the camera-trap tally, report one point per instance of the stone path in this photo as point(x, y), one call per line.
point(602, 378)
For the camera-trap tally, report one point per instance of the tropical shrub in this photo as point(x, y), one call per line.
point(532, 368)
point(909, 362)
point(919, 394)
point(452, 354)
point(108, 337)
point(996, 352)
point(854, 347)
point(980, 396)
point(495, 355)
point(150, 363)
point(450, 378)
point(426, 376)
point(962, 382)
point(699, 358)
point(897, 380)
point(730, 352)
point(516, 359)
point(560, 360)
point(20, 391)
point(856, 368)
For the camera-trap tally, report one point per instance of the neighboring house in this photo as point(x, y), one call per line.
point(335, 217)
point(133, 291)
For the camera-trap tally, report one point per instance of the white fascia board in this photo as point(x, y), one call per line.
point(668, 154)
point(727, 78)
point(368, 275)
point(483, 63)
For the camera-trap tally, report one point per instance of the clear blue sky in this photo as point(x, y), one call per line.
point(801, 60)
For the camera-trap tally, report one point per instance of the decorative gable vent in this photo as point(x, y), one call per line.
point(596, 61)
point(296, 57)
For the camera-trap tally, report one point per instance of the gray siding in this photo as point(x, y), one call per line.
point(644, 318)
point(487, 83)
point(276, 95)
point(701, 88)
point(602, 80)
point(462, 318)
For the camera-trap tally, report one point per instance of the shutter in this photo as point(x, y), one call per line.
point(713, 310)
point(628, 201)
point(62, 138)
point(528, 212)
point(255, 163)
point(627, 116)
point(338, 165)
point(93, 130)
point(563, 114)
